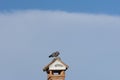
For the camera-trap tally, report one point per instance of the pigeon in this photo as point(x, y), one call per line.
point(54, 54)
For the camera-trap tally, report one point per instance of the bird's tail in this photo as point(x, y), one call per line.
point(50, 56)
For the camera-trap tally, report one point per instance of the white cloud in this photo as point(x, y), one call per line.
point(27, 37)
point(34, 18)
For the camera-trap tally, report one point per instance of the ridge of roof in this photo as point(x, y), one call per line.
point(57, 58)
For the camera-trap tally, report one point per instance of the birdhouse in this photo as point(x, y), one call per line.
point(56, 69)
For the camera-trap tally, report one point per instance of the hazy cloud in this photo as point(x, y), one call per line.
point(28, 37)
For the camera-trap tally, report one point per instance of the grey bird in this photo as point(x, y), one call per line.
point(54, 54)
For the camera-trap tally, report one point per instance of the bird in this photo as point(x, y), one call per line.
point(54, 54)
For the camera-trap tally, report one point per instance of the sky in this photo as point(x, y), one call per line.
point(86, 33)
point(87, 6)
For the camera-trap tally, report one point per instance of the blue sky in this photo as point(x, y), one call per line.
point(89, 6)
point(86, 33)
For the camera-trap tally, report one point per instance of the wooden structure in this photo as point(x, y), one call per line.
point(56, 69)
